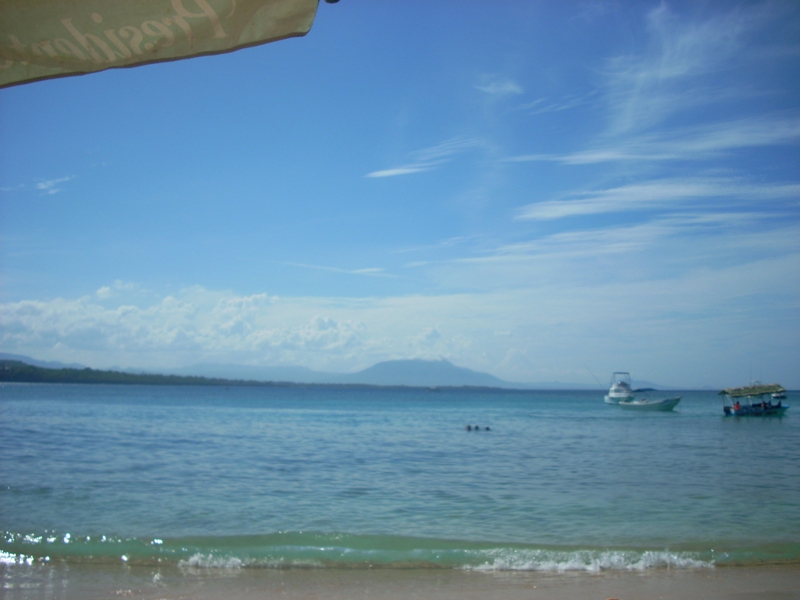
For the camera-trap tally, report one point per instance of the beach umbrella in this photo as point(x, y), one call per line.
point(43, 39)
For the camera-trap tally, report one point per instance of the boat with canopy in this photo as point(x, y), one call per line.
point(753, 400)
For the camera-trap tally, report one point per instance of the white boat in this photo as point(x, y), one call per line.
point(664, 404)
point(620, 388)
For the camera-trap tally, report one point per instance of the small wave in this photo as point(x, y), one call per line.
point(7, 558)
point(212, 561)
point(503, 559)
point(297, 549)
point(209, 561)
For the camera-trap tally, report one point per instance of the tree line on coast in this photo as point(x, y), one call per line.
point(20, 372)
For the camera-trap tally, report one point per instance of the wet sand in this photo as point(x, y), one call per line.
point(84, 582)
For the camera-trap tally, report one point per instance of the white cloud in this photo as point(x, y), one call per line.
point(665, 247)
point(430, 335)
point(368, 271)
point(685, 284)
point(658, 100)
point(452, 242)
point(499, 87)
point(398, 171)
point(430, 158)
point(107, 292)
point(566, 103)
point(654, 194)
point(685, 143)
point(643, 90)
point(51, 186)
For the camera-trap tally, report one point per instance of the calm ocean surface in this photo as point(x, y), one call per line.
point(328, 477)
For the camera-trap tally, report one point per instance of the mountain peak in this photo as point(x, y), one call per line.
point(421, 372)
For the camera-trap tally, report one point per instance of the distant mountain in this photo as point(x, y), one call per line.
point(423, 373)
point(417, 373)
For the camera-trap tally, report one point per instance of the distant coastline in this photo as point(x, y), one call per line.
point(392, 374)
point(14, 371)
point(404, 373)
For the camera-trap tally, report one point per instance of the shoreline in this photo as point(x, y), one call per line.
point(90, 582)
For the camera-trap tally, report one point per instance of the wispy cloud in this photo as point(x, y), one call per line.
point(654, 194)
point(499, 86)
point(120, 287)
point(724, 231)
point(368, 271)
point(430, 158)
point(446, 243)
point(685, 143)
point(665, 248)
point(676, 71)
point(545, 105)
point(686, 67)
point(400, 171)
point(51, 186)
point(645, 89)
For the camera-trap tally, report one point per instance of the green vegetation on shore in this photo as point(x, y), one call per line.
point(16, 371)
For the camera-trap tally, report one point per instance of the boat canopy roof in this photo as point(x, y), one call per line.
point(752, 390)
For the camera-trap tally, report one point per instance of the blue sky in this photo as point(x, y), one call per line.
point(531, 189)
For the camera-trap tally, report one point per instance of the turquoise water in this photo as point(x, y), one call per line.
point(361, 477)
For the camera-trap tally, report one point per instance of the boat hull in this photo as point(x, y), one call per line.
point(664, 405)
point(617, 399)
point(755, 411)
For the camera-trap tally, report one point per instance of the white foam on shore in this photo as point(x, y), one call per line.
point(501, 559)
point(7, 558)
point(210, 561)
point(588, 561)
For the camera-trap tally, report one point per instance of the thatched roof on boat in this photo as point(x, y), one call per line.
point(752, 390)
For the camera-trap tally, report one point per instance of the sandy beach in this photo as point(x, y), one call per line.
point(83, 582)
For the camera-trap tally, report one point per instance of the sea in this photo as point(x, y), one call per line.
point(283, 477)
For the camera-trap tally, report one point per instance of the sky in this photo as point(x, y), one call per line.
point(541, 191)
